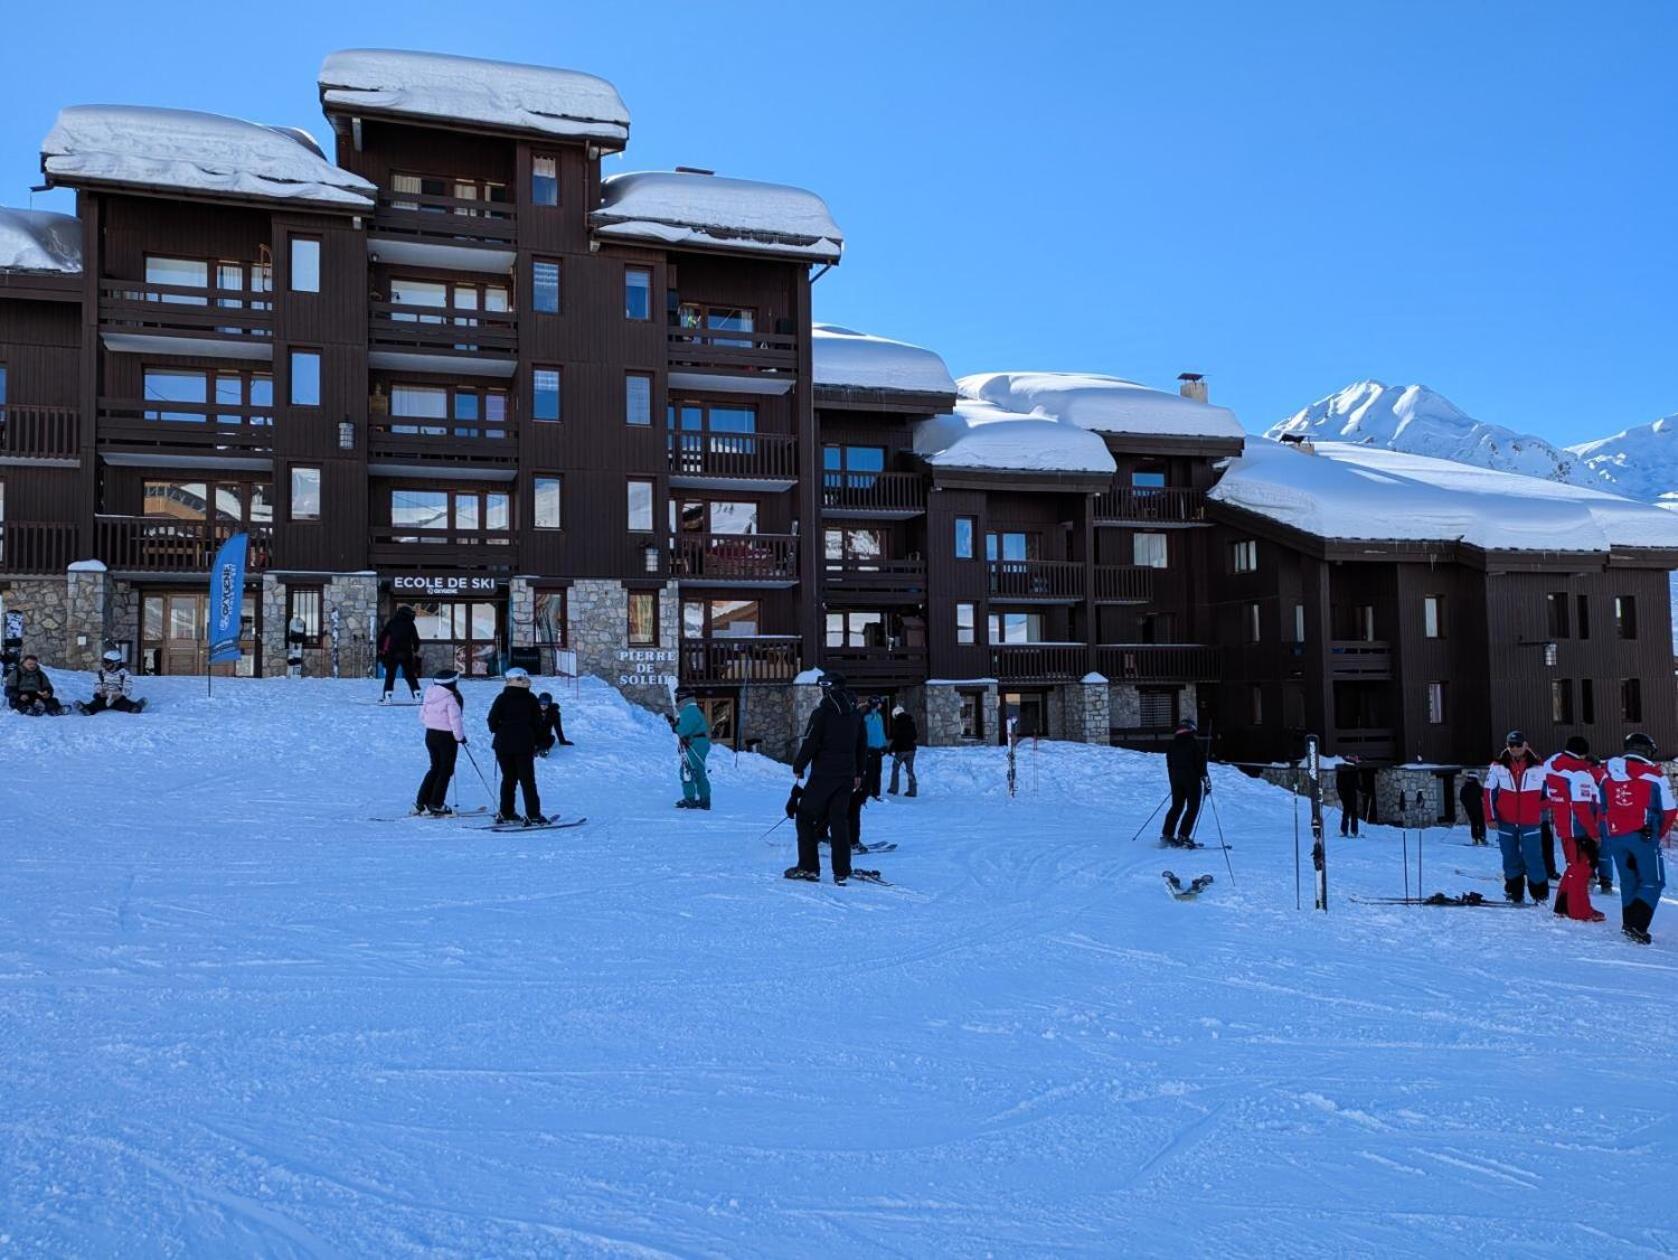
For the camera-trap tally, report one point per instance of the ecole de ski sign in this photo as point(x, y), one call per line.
point(443, 584)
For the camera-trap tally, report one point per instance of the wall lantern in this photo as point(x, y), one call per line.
point(346, 434)
point(649, 557)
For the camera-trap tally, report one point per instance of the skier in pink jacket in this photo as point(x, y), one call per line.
point(445, 731)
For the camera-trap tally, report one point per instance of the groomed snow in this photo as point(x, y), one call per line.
point(856, 360)
point(1102, 404)
point(40, 240)
point(1346, 491)
point(181, 149)
point(680, 208)
point(981, 436)
point(470, 89)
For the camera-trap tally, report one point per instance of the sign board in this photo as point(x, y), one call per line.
point(444, 584)
point(227, 597)
point(645, 667)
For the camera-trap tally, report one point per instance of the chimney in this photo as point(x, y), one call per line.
point(1192, 385)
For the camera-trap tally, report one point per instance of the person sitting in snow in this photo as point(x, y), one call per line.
point(111, 690)
point(553, 726)
point(29, 690)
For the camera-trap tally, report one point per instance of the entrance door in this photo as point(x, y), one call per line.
point(183, 632)
point(172, 628)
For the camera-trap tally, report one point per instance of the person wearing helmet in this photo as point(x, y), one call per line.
point(442, 714)
point(399, 648)
point(111, 690)
point(874, 727)
point(515, 721)
point(1515, 791)
point(29, 690)
point(1572, 784)
point(1185, 767)
point(834, 752)
point(553, 726)
point(1639, 810)
point(693, 733)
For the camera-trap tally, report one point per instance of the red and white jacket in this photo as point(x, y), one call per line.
point(1637, 796)
point(1575, 800)
point(1516, 789)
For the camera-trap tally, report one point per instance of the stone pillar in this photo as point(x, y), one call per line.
point(943, 711)
point(1406, 796)
point(355, 598)
point(598, 630)
point(271, 647)
point(1087, 710)
point(521, 613)
point(86, 587)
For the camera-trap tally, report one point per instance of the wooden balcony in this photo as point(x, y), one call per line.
point(161, 544)
point(398, 445)
point(178, 319)
point(1158, 662)
point(1039, 662)
point(874, 581)
point(409, 547)
point(1369, 743)
point(1358, 658)
point(866, 667)
point(455, 222)
point(1161, 507)
point(768, 560)
point(402, 336)
point(39, 433)
point(882, 495)
point(1124, 584)
point(37, 547)
point(740, 661)
point(769, 359)
point(1037, 581)
point(715, 459)
point(231, 433)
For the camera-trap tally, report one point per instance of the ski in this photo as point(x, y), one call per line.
point(459, 813)
point(888, 847)
point(871, 877)
point(505, 828)
point(1174, 886)
point(1465, 901)
point(1196, 845)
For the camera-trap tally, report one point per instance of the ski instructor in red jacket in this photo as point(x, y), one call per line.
point(1515, 788)
point(1640, 810)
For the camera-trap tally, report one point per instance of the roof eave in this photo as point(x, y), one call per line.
point(337, 109)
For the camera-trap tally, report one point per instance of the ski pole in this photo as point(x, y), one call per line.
point(1297, 905)
point(1405, 835)
point(1151, 817)
point(1222, 843)
point(772, 830)
point(481, 779)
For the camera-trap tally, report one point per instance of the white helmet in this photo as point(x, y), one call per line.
point(516, 677)
point(113, 657)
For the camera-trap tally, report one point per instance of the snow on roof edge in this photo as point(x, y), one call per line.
point(41, 241)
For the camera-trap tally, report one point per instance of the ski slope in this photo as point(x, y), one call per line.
point(241, 1019)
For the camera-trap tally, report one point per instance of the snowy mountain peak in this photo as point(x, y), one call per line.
point(1640, 462)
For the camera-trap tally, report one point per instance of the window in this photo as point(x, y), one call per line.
point(544, 394)
point(972, 714)
point(1436, 703)
point(553, 618)
point(1583, 621)
point(176, 385)
point(475, 412)
point(1555, 619)
point(1250, 623)
point(303, 603)
point(544, 181)
point(1147, 477)
point(966, 528)
point(856, 629)
point(544, 286)
point(420, 509)
point(228, 502)
point(638, 398)
point(440, 511)
point(861, 548)
point(446, 189)
point(1625, 616)
point(1011, 546)
point(305, 378)
point(1631, 700)
point(305, 264)
point(1157, 707)
point(1433, 616)
point(1587, 701)
point(966, 623)
point(720, 618)
point(1561, 701)
point(181, 273)
point(1299, 623)
point(305, 493)
point(546, 499)
point(1155, 628)
point(2, 384)
point(641, 506)
point(1255, 705)
point(1148, 550)
point(1245, 556)
point(1016, 627)
point(637, 292)
point(643, 618)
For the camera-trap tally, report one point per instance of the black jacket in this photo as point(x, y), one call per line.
point(514, 719)
point(1346, 781)
point(551, 722)
point(400, 637)
point(1185, 760)
point(835, 744)
point(1473, 799)
point(903, 734)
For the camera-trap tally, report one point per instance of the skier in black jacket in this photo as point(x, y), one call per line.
point(1347, 776)
point(1473, 800)
point(1185, 766)
point(515, 719)
point(835, 753)
point(399, 645)
point(904, 737)
point(553, 726)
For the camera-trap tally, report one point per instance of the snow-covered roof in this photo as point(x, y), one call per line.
point(39, 240)
point(981, 436)
point(183, 150)
point(470, 89)
point(1368, 493)
point(854, 360)
point(710, 211)
point(1103, 404)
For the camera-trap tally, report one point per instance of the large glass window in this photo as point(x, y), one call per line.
point(638, 398)
point(733, 517)
point(966, 528)
point(856, 629)
point(1561, 701)
point(544, 293)
point(1436, 703)
point(1011, 546)
point(305, 378)
point(186, 273)
point(546, 493)
point(966, 623)
point(420, 509)
point(175, 385)
point(1016, 627)
point(720, 618)
point(857, 546)
point(1149, 550)
point(1147, 477)
point(305, 264)
point(1625, 616)
point(1433, 616)
point(637, 293)
point(545, 394)
point(544, 180)
point(640, 506)
point(643, 618)
point(305, 493)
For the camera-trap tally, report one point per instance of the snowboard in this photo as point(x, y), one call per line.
point(551, 826)
point(1174, 886)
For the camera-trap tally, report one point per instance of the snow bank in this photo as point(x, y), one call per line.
point(39, 240)
point(183, 150)
point(681, 208)
point(1345, 491)
point(1102, 404)
point(863, 361)
point(979, 435)
point(470, 89)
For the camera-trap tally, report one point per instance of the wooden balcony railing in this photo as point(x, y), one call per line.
point(877, 666)
point(875, 579)
point(1053, 580)
point(409, 547)
point(764, 659)
point(1360, 658)
point(1370, 743)
point(181, 311)
point(441, 330)
point(884, 493)
point(735, 557)
point(1162, 505)
point(446, 220)
point(161, 544)
point(1039, 662)
point(717, 350)
point(196, 428)
point(1158, 662)
point(29, 432)
point(747, 456)
point(462, 442)
point(1124, 583)
point(37, 547)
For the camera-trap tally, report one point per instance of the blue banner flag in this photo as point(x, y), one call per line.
point(227, 599)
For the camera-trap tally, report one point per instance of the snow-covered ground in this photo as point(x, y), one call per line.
point(239, 1018)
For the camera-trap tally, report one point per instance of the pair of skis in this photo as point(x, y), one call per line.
point(1463, 901)
point(1179, 892)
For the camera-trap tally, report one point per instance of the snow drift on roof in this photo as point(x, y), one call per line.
point(1351, 492)
point(183, 150)
point(980, 435)
point(469, 89)
point(39, 240)
point(679, 208)
point(1102, 404)
point(857, 360)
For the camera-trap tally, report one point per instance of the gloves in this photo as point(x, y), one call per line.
point(793, 797)
point(670, 720)
point(462, 741)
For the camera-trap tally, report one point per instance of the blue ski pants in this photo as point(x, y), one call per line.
point(1641, 866)
point(1523, 853)
point(697, 786)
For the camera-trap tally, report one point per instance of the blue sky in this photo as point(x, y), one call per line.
point(1287, 197)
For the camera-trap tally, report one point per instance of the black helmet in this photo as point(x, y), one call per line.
point(1640, 745)
point(832, 678)
point(547, 697)
point(1515, 739)
point(1187, 724)
point(1577, 746)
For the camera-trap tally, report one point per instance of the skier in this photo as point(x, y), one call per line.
point(1346, 784)
point(834, 752)
point(514, 720)
point(553, 726)
point(441, 714)
point(694, 735)
point(399, 645)
point(1639, 812)
point(1571, 782)
point(1473, 808)
point(904, 737)
point(296, 631)
point(111, 690)
point(1185, 766)
point(1515, 782)
point(874, 726)
point(29, 690)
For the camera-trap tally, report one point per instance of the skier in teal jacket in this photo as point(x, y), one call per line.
point(694, 734)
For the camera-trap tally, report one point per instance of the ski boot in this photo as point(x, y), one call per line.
point(419, 811)
point(701, 805)
point(384, 697)
point(440, 811)
point(1540, 893)
point(414, 696)
point(799, 872)
point(504, 820)
point(1634, 922)
point(1605, 885)
point(684, 803)
point(537, 820)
